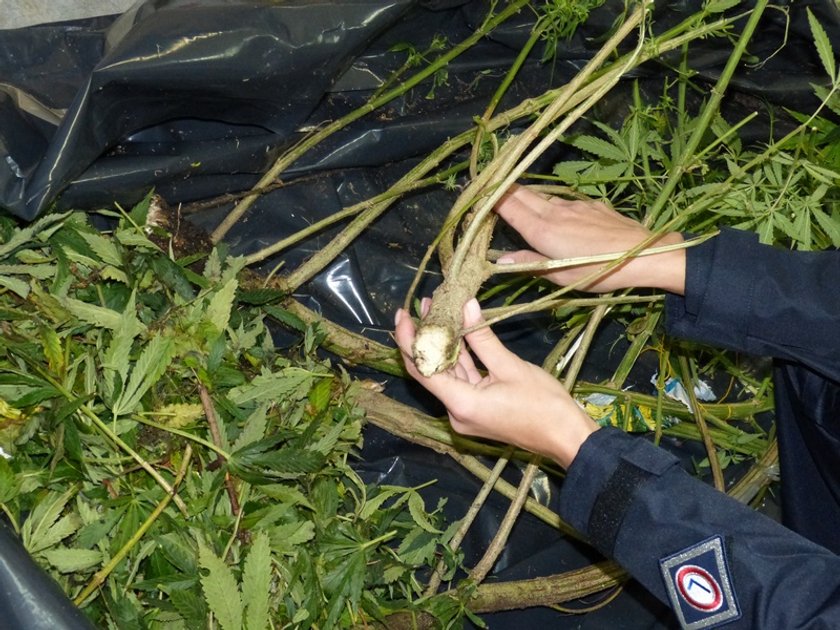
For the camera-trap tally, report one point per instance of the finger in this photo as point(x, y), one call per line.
point(522, 256)
point(425, 306)
point(530, 215)
point(467, 366)
point(485, 344)
point(445, 386)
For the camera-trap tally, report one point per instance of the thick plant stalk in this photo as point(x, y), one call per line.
point(438, 340)
point(437, 343)
point(512, 162)
point(688, 30)
point(546, 591)
point(416, 427)
point(497, 545)
point(764, 472)
point(515, 595)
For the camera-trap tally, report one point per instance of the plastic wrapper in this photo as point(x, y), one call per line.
point(198, 99)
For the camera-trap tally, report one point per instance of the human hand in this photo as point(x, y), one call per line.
point(557, 228)
point(516, 402)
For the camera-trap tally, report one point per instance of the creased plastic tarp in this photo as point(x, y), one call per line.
point(198, 99)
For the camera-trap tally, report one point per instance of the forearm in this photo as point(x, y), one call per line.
point(743, 295)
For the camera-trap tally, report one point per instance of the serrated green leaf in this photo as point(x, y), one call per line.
point(287, 538)
point(271, 387)
point(344, 583)
point(221, 302)
point(823, 45)
point(9, 483)
point(91, 313)
point(828, 225)
point(153, 361)
point(16, 285)
point(21, 236)
point(327, 442)
point(256, 583)
point(42, 272)
point(254, 429)
point(263, 461)
point(319, 395)
point(104, 247)
point(38, 531)
point(53, 350)
point(719, 6)
point(373, 504)
point(417, 509)
point(178, 552)
point(599, 147)
point(285, 317)
point(418, 547)
point(221, 592)
point(569, 170)
point(259, 297)
point(71, 560)
point(190, 606)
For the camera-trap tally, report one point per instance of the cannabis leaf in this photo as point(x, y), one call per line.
point(823, 45)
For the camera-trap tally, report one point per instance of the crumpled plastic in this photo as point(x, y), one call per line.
point(198, 99)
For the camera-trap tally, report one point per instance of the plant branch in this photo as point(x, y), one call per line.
point(213, 424)
point(99, 577)
point(305, 145)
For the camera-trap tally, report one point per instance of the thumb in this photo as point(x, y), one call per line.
point(484, 342)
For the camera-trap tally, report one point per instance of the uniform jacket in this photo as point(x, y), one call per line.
point(714, 561)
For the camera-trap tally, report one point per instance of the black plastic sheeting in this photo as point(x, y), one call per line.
point(198, 99)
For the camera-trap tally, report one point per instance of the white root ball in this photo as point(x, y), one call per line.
point(435, 349)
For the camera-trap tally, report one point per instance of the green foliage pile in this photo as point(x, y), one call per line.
point(107, 344)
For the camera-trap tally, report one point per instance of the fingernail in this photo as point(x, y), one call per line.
point(505, 260)
point(473, 310)
point(425, 306)
point(398, 317)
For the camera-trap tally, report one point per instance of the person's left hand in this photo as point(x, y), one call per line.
point(515, 402)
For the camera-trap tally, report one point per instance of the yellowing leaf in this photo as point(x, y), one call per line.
point(179, 415)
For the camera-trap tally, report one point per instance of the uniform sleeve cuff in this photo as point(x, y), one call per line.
point(601, 483)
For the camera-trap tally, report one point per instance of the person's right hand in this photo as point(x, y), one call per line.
point(557, 228)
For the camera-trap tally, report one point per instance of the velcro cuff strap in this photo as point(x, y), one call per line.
point(612, 504)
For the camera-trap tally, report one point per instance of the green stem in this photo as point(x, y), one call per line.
point(687, 155)
point(400, 188)
point(184, 434)
point(714, 464)
point(289, 158)
point(103, 427)
point(100, 576)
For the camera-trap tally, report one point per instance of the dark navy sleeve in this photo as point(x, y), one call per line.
point(762, 300)
point(714, 561)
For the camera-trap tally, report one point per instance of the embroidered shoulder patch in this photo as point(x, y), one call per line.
point(699, 586)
